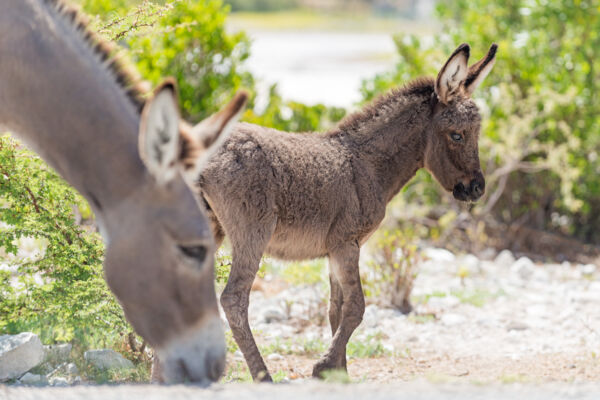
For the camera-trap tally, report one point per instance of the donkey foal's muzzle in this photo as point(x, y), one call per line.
point(473, 191)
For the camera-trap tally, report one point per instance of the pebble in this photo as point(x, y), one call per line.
point(517, 326)
point(58, 381)
point(452, 319)
point(524, 268)
point(273, 314)
point(505, 259)
point(274, 357)
point(33, 379)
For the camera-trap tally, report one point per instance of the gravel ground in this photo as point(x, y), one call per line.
point(312, 391)
point(487, 319)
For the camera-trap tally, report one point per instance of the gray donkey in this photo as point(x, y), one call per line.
point(65, 94)
point(302, 196)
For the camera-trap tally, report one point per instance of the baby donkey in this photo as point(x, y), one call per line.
point(301, 196)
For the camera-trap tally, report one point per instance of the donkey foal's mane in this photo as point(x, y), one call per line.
point(384, 105)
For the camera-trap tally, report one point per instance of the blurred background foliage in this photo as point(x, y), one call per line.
point(539, 147)
point(540, 137)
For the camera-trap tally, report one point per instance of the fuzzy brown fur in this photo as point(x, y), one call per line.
point(301, 196)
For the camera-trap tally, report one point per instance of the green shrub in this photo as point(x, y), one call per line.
point(58, 290)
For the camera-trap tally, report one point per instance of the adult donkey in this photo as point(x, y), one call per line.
point(299, 196)
point(63, 92)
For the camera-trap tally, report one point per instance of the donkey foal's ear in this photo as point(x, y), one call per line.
point(453, 74)
point(159, 141)
point(481, 69)
point(212, 131)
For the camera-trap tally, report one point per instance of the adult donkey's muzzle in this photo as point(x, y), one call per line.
point(197, 357)
point(473, 191)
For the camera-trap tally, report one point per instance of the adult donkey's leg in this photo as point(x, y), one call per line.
point(248, 247)
point(344, 266)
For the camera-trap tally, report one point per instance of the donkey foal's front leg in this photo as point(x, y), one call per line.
point(235, 300)
point(344, 267)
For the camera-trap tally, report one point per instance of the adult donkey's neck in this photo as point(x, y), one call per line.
point(389, 135)
point(62, 95)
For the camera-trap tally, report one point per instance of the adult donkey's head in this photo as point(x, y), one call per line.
point(65, 92)
point(159, 256)
point(451, 154)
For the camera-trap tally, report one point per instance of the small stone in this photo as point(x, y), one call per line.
point(487, 254)
point(33, 379)
point(439, 255)
point(588, 269)
point(274, 357)
point(18, 354)
point(505, 259)
point(71, 369)
point(452, 319)
point(107, 359)
point(58, 381)
point(524, 268)
point(517, 326)
point(471, 263)
point(273, 315)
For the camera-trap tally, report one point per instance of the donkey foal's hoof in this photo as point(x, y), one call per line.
point(322, 366)
point(263, 377)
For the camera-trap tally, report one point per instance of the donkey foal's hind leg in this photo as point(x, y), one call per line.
point(344, 266)
point(335, 302)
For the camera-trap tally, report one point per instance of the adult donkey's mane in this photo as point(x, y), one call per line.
point(384, 106)
point(106, 52)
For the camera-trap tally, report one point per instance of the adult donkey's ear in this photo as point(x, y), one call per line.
point(159, 140)
point(453, 74)
point(211, 132)
point(481, 69)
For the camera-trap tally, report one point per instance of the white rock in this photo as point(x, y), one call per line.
point(18, 354)
point(274, 357)
point(517, 326)
point(33, 379)
point(524, 268)
point(505, 259)
point(588, 269)
point(488, 254)
point(71, 369)
point(439, 255)
point(370, 317)
point(57, 353)
point(471, 263)
point(452, 319)
point(58, 381)
point(107, 359)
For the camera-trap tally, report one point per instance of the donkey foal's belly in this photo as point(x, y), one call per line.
point(296, 244)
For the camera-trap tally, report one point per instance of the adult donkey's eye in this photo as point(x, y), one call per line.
point(196, 252)
point(457, 137)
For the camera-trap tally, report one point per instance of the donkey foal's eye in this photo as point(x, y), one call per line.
point(196, 252)
point(457, 137)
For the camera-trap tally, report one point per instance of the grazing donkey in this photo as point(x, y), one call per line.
point(299, 196)
point(63, 92)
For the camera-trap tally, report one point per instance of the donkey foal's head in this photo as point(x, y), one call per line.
point(452, 153)
point(171, 301)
